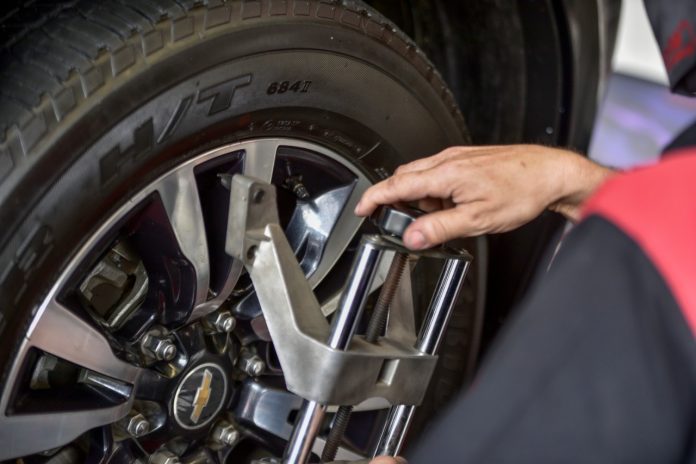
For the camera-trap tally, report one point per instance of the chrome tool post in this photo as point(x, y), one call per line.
point(350, 308)
point(429, 338)
point(323, 362)
point(392, 223)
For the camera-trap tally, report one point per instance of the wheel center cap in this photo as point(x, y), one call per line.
point(200, 396)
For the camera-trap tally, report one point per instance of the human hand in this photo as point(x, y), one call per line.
point(388, 460)
point(471, 191)
point(376, 460)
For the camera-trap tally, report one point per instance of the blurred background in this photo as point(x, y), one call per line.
point(639, 116)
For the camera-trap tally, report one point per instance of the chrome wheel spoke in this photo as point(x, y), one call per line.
point(259, 159)
point(312, 223)
point(62, 333)
point(345, 227)
point(214, 303)
point(259, 162)
point(66, 378)
point(32, 433)
point(179, 194)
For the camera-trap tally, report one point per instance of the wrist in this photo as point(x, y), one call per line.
point(580, 178)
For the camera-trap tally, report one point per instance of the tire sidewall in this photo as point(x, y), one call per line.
point(364, 101)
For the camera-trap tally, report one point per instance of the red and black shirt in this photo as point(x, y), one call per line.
point(598, 365)
point(673, 23)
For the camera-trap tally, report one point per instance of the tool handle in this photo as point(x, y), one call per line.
point(393, 220)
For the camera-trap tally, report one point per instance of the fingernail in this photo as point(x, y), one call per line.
point(415, 240)
point(357, 208)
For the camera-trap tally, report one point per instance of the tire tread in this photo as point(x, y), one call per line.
point(63, 45)
point(55, 58)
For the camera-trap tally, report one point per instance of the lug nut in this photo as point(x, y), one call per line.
point(164, 457)
point(225, 434)
point(224, 322)
point(161, 349)
point(253, 365)
point(137, 425)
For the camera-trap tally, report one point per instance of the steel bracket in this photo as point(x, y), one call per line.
point(391, 369)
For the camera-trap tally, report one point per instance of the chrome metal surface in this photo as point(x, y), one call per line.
point(270, 408)
point(398, 422)
point(179, 194)
point(344, 229)
point(160, 348)
point(260, 157)
point(223, 321)
point(136, 424)
point(94, 379)
point(267, 408)
point(439, 252)
point(329, 306)
point(19, 432)
point(436, 320)
point(57, 330)
point(297, 326)
point(225, 433)
point(164, 457)
point(312, 223)
point(376, 324)
point(259, 160)
point(62, 333)
point(301, 442)
point(350, 308)
point(391, 220)
point(354, 295)
point(440, 309)
point(252, 364)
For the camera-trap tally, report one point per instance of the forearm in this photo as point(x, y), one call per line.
point(580, 178)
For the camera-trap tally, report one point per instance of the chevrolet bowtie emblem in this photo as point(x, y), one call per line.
point(200, 401)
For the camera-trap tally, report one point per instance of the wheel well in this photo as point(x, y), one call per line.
point(519, 76)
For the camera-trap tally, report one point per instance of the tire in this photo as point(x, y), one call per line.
point(99, 99)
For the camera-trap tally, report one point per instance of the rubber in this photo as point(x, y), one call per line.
point(99, 98)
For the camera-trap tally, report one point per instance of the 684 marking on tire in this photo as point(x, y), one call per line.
point(287, 86)
point(126, 332)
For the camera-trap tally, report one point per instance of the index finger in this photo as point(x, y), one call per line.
point(445, 155)
point(403, 187)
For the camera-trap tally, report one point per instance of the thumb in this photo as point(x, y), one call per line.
point(438, 227)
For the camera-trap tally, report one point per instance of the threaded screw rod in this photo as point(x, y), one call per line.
point(374, 329)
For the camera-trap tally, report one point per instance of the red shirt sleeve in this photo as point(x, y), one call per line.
point(656, 207)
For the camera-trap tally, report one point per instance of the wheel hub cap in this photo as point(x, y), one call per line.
point(200, 396)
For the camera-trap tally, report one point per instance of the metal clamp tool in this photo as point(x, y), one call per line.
point(331, 365)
